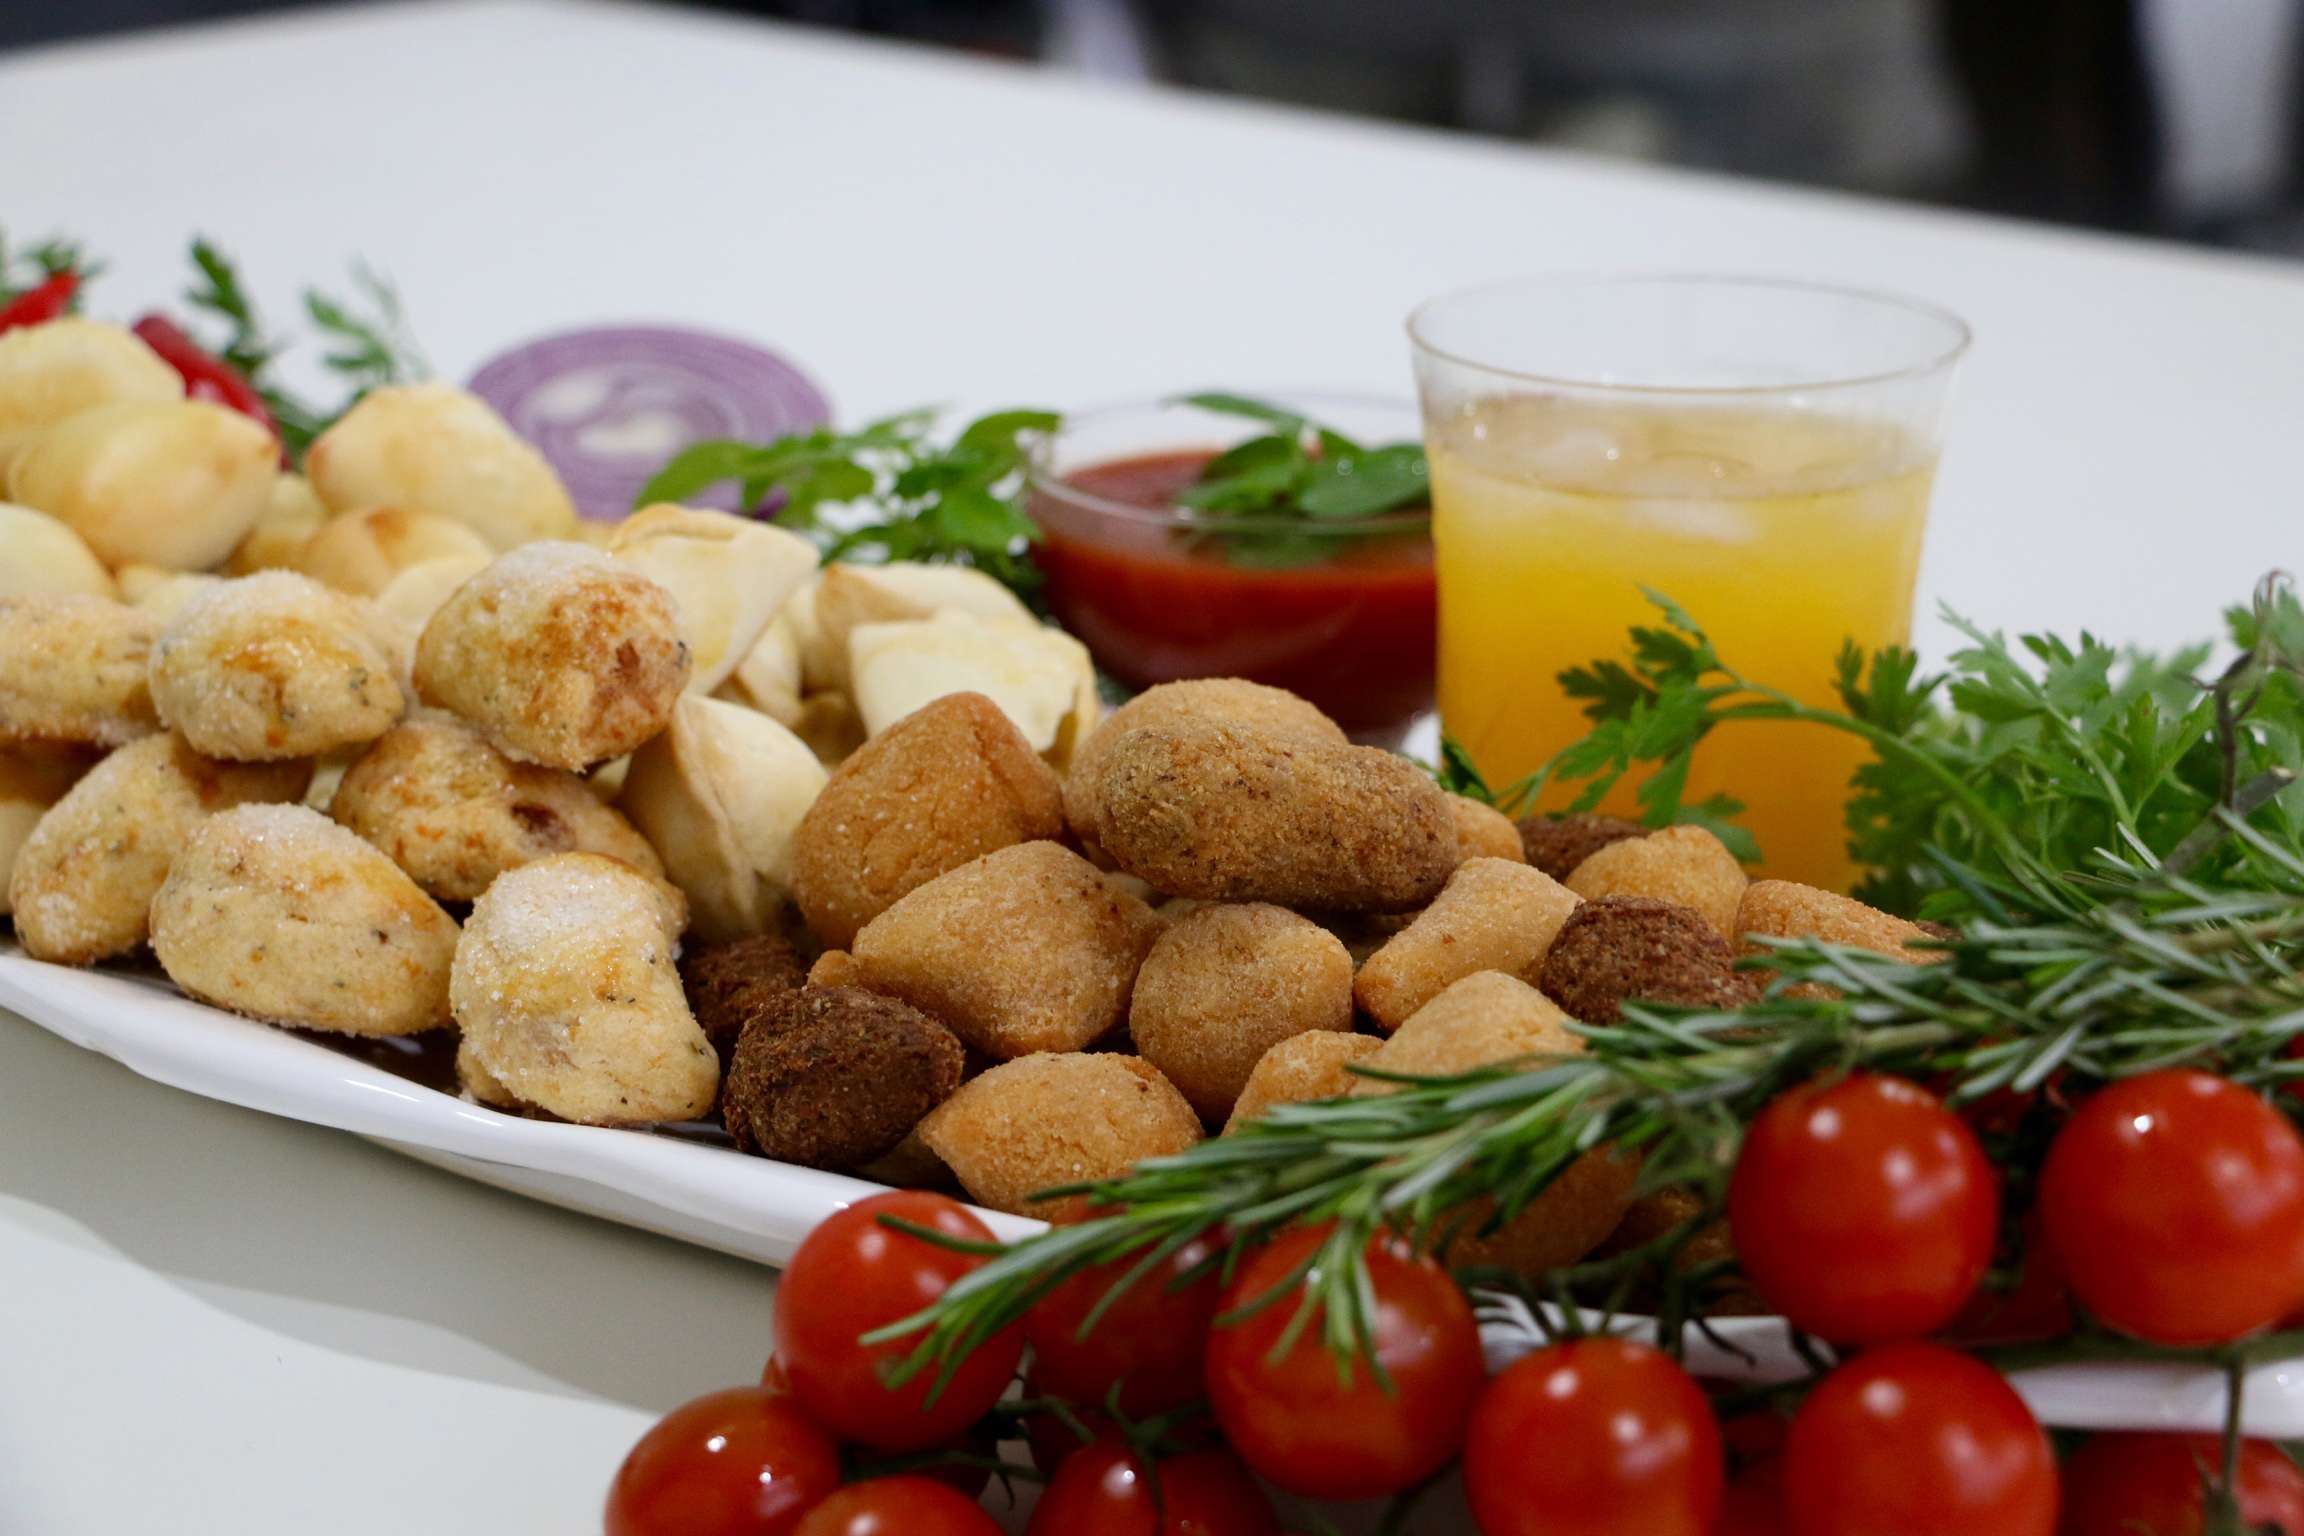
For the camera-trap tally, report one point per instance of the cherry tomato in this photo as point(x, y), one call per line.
point(743, 1462)
point(773, 1378)
point(1863, 1209)
point(2122, 1485)
point(2175, 1201)
point(40, 303)
point(1592, 1438)
point(897, 1506)
point(1754, 1502)
point(1150, 1341)
point(1918, 1440)
point(1331, 1430)
point(2038, 1306)
point(1052, 1441)
point(853, 1275)
point(1106, 1490)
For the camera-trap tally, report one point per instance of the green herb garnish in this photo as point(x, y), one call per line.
point(1292, 493)
point(26, 269)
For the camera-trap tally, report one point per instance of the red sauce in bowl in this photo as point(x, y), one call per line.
point(1355, 630)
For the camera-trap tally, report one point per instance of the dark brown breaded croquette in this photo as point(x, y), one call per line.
point(730, 982)
point(1619, 948)
point(833, 1077)
point(1557, 844)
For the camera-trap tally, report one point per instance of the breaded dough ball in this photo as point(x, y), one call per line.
point(1022, 950)
point(1224, 813)
point(1784, 910)
point(32, 778)
point(291, 515)
point(455, 813)
point(177, 484)
point(276, 912)
point(75, 670)
point(1484, 832)
point(478, 1085)
point(1052, 1119)
point(360, 552)
point(834, 1077)
point(162, 593)
point(1687, 866)
point(273, 666)
point(566, 990)
point(1557, 844)
point(731, 982)
point(559, 654)
point(728, 574)
point(58, 369)
point(83, 882)
point(720, 796)
point(836, 968)
point(1226, 983)
point(40, 555)
point(1299, 1069)
point(949, 783)
point(1493, 915)
point(439, 449)
point(1619, 949)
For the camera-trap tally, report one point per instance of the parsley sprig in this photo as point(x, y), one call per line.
point(1286, 497)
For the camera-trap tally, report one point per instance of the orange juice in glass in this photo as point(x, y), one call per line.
point(1759, 452)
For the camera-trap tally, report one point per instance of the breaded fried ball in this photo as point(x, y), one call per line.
point(1785, 910)
point(1573, 1215)
point(276, 912)
point(1023, 950)
point(32, 778)
point(559, 654)
point(83, 882)
point(273, 666)
point(836, 968)
point(1226, 983)
point(1052, 1119)
point(950, 782)
point(1557, 844)
point(1299, 1069)
point(1225, 813)
point(1493, 915)
point(360, 552)
point(731, 982)
point(1618, 949)
point(1484, 832)
point(1206, 700)
point(565, 988)
point(835, 1077)
point(478, 1085)
point(1684, 865)
point(75, 670)
point(455, 813)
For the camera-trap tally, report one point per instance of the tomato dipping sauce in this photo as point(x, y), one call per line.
point(1343, 613)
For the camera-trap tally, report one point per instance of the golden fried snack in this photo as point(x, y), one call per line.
point(1021, 950)
point(730, 983)
point(1557, 844)
point(1684, 865)
point(768, 677)
point(276, 912)
point(455, 813)
point(176, 483)
point(560, 655)
point(1299, 1069)
point(948, 783)
point(830, 726)
point(75, 670)
point(478, 1085)
point(413, 595)
point(360, 552)
point(273, 666)
point(1056, 1118)
point(1226, 983)
point(32, 778)
point(1484, 832)
point(1784, 910)
point(1272, 711)
point(1034, 673)
point(40, 555)
point(83, 882)
point(836, 968)
point(845, 597)
point(291, 515)
point(68, 365)
point(565, 988)
point(835, 1077)
point(728, 575)
point(1225, 813)
point(1493, 915)
point(1619, 949)
point(162, 593)
point(438, 449)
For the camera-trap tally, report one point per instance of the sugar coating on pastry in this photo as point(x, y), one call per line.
point(560, 655)
point(32, 778)
point(1477, 1022)
point(75, 670)
point(478, 1085)
point(1223, 985)
point(83, 880)
point(1684, 865)
point(1052, 1119)
point(39, 554)
point(835, 1077)
point(1619, 949)
point(1022, 950)
point(361, 552)
point(1786, 910)
point(1493, 915)
point(566, 988)
point(948, 783)
point(443, 450)
point(1484, 832)
point(273, 666)
point(455, 813)
point(276, 912)
point(1299, 1069)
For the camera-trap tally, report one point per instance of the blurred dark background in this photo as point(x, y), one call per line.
point(2171, 117)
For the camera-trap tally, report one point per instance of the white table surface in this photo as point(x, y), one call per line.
point(214, 1322)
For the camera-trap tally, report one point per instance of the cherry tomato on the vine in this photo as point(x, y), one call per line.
point(773, 1378)
point(2175, 1201)
point(1107, 1490)
point(1917, 1440)
point(744, 1462)
point(854, 1275)
point(2038, 1306)
point(1591, 1438)
point(2129, 1485)
point(1330, 1430)
point(1863, 1209)
point(1754, 1502)
point(1151, 1340)
point(897, 1506)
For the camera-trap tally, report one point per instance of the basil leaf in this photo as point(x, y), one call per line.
point(1241, 405)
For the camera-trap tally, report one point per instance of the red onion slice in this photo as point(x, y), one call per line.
point(608, 405)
